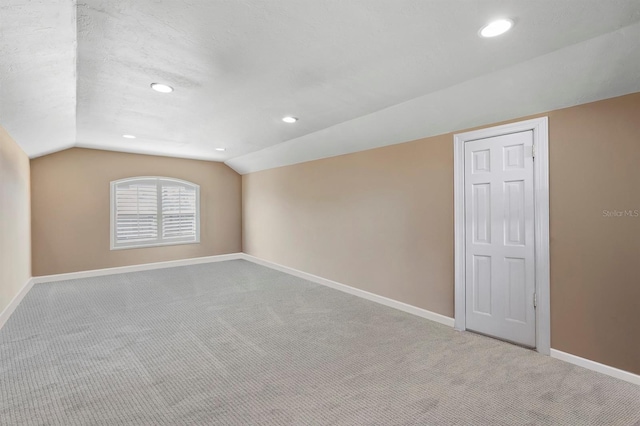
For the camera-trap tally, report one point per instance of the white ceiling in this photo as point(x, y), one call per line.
point(358, 73)
point(38, 73)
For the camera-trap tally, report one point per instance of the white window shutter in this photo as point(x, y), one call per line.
point(179, 207)
point(136, 206)
point(149, 211)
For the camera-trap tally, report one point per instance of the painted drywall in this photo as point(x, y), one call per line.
point(382, 221)
point(70, 199)
point(15, 222)
point(595, 280)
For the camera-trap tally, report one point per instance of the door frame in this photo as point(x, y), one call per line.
point(540, 128)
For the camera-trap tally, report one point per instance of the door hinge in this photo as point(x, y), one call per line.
point(533, 152)
point(535, 300)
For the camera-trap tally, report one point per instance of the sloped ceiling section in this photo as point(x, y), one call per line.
point(600, 68)
point(38, 73)
point(359, 73)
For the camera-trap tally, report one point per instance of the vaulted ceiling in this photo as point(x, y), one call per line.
point(357, 73)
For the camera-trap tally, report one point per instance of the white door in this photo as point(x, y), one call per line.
point(499, 246)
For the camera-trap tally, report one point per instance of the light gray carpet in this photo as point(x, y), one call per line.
point(234, 343)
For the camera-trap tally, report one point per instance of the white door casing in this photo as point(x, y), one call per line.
point(537, 131)
point(499, 239)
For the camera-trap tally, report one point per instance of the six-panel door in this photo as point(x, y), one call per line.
point(499, 246)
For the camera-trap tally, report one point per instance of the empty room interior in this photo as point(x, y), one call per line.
point(297, 212)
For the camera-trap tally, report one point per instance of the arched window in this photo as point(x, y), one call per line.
point(154, 211)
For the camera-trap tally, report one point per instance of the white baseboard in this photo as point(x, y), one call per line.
point(596, 366)
point(8, 310)
point(354, 291)
point(136, 268)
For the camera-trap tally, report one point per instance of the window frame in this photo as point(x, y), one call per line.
point(159, 242)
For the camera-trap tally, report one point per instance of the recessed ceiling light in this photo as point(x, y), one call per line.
point(221, 149)
point(162, 88)
point(496, 28)
point(289, 119)
point(128, 136)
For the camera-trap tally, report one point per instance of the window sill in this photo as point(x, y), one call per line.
point(164, 244)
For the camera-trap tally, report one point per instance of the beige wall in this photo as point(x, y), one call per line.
point(382, 220)
point(70, 199)
point(595, 271)
point(15, 226)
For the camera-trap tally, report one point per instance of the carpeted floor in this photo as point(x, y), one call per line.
point(234, 343)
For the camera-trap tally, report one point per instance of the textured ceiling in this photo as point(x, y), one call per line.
point(599, 68)
point(358, 73)
point(38, 73)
